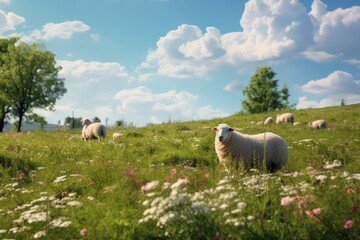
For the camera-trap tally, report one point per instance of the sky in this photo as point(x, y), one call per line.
point(151, 61)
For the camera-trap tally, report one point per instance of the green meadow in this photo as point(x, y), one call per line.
point(165, 182)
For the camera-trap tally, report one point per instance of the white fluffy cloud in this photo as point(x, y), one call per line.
point(271, 30)
point(171, 101)
point(333, 88)
point(9, 21)
point(338, 82)
point(173, 104)
point(186, 52)
point(338, 31)
point(63, 30)
point(319, 56)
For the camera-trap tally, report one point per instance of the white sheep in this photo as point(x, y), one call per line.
point(268, 120)
point(321, 123)
point(116, 135)
point(285, 118)
point(92, 130)
point(250, 148)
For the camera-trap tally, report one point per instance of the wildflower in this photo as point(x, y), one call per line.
point(314, 212)
point(83, 232)
point(60, 179)
point(350, 190)
point(353, 209)
point(285, 201)
point(321, 178)
point(21, 175)
point(75, 204)
point(173, 171)
point(348, 224)
point(40, 234)
point(60, 222)
point(207, 175)
point(169, 178)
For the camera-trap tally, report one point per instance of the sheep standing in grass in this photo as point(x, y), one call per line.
point(116, 135)
point(250, 148)
point(92, 130)
point(268, 120)
point(285, 118)
point(321, 123)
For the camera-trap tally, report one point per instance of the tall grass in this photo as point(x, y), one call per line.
point(165, 182)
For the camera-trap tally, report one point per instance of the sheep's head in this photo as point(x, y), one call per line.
point(85, 121)
point(223, 132)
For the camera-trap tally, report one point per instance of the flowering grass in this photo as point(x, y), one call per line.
point(164, 182)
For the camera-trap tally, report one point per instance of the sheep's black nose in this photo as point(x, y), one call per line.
point(221, 138)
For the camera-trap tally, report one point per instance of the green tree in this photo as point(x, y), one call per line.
point(73, 123)
point(31, 80)
point(5, 102)
point(262, 92)
point(96, 120)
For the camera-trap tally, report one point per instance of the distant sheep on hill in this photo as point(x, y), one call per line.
point(321, 123)
point(285, 118)
point(92, 130)
point(250, 148)
point(268, 120)
point(116, 135)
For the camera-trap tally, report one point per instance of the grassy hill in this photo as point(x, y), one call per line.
point(165, 182)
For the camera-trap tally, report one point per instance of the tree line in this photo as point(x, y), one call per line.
point(28, 80)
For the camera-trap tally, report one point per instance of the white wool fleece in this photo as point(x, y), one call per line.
point(250, 148)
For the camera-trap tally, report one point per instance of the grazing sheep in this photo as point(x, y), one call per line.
point(250, 148)
point(116, 135)
point(268, 120)
point(321, 123)
point(92, 130)
point(285, 118)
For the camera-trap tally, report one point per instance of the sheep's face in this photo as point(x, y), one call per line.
point(223, 132)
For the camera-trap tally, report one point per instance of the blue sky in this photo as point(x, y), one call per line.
point(145, 61)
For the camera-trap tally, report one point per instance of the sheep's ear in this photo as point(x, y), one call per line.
point(231, 129)
point(214, 129)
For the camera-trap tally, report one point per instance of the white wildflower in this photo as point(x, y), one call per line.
point(321, 178)
point(250, 218)
point(60, 222)
point(73, 194)
point(90, 198)
point(60, 179)
point(334, 164)
point(241, 205)
point(13, 230)
point(38, 217)
point(151, 185)
point(3, 231)
point(223, 181)
point(39, 234)
point(227, 195)
point(223, 206)
point(75, 204)
point(178, 183)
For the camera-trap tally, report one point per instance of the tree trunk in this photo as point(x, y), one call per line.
point(3, 113)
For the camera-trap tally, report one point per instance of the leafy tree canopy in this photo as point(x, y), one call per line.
point(29, 79)
point(262, 92)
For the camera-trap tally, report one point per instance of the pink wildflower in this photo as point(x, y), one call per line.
point(207, 175)
point(302, 204)
point(350, 190)
point(143, 189)
point(170, 178)
point(21, 175)
point(348, 224)
point(353, 209)
point(314, 212)
point(285, 201)
point(83, 232)
point(173, 171)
